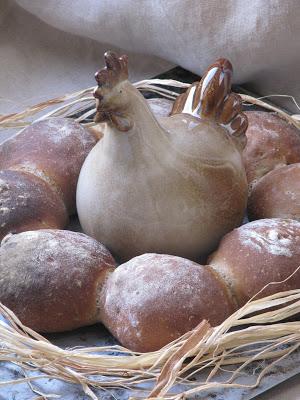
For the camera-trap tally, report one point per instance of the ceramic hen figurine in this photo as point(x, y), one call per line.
point(171, 185)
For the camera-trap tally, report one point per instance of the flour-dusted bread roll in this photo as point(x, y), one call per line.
point(40, 168)
point(27, 202)
point(54, 150)
point(255, 254)
point(52, 279)
point(153, 299)
point(271, 143)
point(277, 194)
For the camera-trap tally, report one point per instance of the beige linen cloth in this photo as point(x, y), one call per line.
point(52, 47)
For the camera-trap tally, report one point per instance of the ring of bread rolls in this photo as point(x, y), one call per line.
point(153, 299)
point(59, 280)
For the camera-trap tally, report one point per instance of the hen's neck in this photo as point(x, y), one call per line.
point(146, 132)
point(140, 112)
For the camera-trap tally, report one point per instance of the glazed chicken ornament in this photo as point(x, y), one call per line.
point(172, 185)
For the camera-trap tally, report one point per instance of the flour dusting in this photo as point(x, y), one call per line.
point(62, 130)
point(274, 236)
point(162, 293)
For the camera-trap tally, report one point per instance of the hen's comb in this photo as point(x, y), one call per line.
point(211, 98)
point(115, 71)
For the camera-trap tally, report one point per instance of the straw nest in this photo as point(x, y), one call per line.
point(261, 330)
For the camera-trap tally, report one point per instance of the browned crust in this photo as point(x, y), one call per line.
point(50, 278)
point(271, 142)
point(226, 286)
point(276, 194)
point(161, 294)
point(28, 203)
point(160, 107)
point(252, 256)
point(53, 150)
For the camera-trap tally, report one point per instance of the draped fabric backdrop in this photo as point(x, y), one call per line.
point(52, 47)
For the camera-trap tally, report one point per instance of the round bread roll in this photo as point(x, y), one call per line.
point(255, 254)
point(54, 150)
point(51, 279)
point(277, 194)
point(153, 299)
point(271, 143)
point(28, 203)
point(160, 107)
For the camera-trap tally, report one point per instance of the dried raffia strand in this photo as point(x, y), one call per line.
point(41, 394)
point(10, 119)
point(217, 347)
point(258, 102)
point(173, 365)
point(281, 95)
point(19, 120)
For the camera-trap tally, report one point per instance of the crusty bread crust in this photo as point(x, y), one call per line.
point(271, 143)
point(28, 203)
point(53, 150)
point(277, 194)
point(255, 254)
point(59, 280)
point(153, 299)
point(51, 278)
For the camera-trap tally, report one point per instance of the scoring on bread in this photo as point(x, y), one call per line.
point(255, 254)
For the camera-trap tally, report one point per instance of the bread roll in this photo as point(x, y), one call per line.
point(271, 143)
point(27, 203)
point(255, 254)
point(153, 299)
point(160, 107)
point(40, 168)
point(53, 150)
point(52, 279)
point(277, 194)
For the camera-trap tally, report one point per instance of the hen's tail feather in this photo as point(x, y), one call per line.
point(211, 98)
